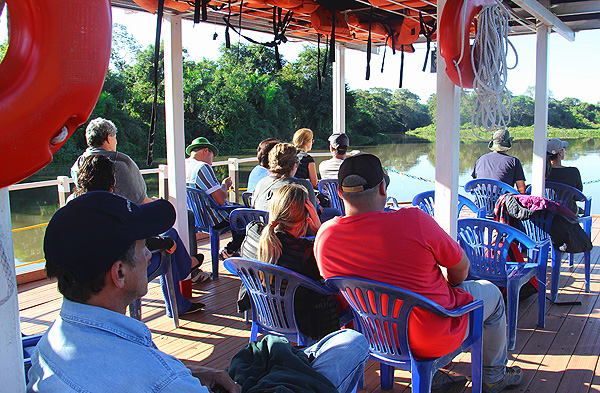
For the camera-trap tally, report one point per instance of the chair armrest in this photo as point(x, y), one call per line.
point(462, 310)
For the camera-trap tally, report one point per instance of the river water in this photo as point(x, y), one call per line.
point(30, 207)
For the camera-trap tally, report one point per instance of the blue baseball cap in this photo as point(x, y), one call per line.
point(91, 232)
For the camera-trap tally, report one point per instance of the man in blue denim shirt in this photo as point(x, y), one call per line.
point(95, 247)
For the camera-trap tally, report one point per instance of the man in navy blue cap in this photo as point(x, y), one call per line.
point(95, 247)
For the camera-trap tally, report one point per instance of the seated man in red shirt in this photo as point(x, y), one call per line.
point(406, 248)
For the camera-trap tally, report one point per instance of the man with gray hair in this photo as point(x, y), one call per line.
point(101, 138)
point(407, 248)
point(338, 146)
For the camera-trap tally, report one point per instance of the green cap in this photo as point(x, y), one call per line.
point(201, 142)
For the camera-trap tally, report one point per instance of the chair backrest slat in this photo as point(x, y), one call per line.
point(272, 289)
point(330, 187)
point(240, 218)
point(486, 243)
point(487, 192)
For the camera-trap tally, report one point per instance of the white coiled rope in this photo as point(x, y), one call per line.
point(493, 103)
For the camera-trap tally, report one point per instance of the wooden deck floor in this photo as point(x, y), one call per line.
point(563, 357)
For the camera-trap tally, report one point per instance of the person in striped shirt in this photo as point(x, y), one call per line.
point(199, 174)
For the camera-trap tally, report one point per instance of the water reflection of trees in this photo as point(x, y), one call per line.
point(404, 157)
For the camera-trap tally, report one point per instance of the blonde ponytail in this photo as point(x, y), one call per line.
point(269, 246)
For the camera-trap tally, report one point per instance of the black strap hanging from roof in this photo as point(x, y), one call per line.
point(427, 31)
point(159, 15)
point(319, 84)
point(226, 19)
point(280, 25)
point(401, 64)
point(276, 14)
point(200, 6)
point(324, 73)
point(332, 40)
point(384, 52)
point(368, 75)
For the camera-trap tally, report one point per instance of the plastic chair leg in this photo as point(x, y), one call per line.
point(254, 331)
point(542, 299)
point(586, 257)
point(556, 261)
point(421, 376)
point(171, 301)
point(477, 366)
point(387, 376)
point(512, 313)
point(215, 239)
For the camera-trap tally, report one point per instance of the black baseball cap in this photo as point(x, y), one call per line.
point(366, 172)
point(91, 232)
point(338, 140)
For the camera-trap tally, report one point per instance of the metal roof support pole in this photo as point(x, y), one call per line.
point(339, 89)
point(174, 123)
point(12, 373)
point(540, 128)
point(447, 146)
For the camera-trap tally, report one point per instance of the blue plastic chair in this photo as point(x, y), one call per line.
point(29, 343)
point(330, 187)
point(426, 202)
point(486, 244)
point(164, 269)
point(240, 218)
point(563, 194)
point(272, 289)
point(487, 192)
point(381, 313)
point(199, 202)
point(247, 198)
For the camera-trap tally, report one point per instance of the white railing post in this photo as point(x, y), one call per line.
point(234, 173)
point(12, 372)
point(64, 189)
point(163, 178)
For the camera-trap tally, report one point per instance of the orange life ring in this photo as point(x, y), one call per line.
point(152, 5)
point(451, 42)
point(50, 78)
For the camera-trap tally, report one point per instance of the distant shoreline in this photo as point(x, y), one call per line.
point(518, 133)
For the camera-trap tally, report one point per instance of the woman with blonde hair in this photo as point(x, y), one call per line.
point(281, 242)
point(307, 169)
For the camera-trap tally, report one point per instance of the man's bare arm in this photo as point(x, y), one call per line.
point(459, 272)
point(220, 196)
point(521, 186)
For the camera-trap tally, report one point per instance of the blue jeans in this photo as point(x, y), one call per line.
point(494, 328)
point(340, 357)
point(181, 264)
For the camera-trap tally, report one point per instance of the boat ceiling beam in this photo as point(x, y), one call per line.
point(542, 14)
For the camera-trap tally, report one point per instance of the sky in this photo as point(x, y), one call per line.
point(572, 66)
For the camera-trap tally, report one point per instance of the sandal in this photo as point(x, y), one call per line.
point(199, 276)
point(224, 254)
